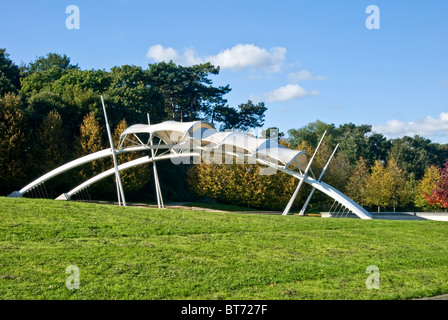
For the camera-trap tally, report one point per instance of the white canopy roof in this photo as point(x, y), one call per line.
point(266, 148)
point(173, 132)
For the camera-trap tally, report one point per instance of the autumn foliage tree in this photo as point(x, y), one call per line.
point(357, 187)
point(244, 184)
point(90, 141)
point(379, 186)
point(398, 184)
point(439, 195)
point(426, 187)
point(50, 148)
point(13, 142)
point(133, 178)
point(386, 185)
point(208, 180)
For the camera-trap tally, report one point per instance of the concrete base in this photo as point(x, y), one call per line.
point(15, 194)
point(63, 196)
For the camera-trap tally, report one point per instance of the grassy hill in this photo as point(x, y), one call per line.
point(140, 253)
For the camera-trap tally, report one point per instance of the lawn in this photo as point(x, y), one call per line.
point(141, 253)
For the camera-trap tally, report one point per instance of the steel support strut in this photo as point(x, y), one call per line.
point(302, 211)
point(120, 193)
point(291, 201)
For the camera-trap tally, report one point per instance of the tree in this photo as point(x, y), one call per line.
point(357, 186)
point(386, 185)
point(42, 73)
point(89, 141)
point(410, 190)
point(51, 146)
point(130, 96)
point(71, 102)
point(379, 191)
point(353, 140)
point(415, 154)
point(187, 92)
point(338, 171)
point(135, 178)
point(248, 116)
point(251, 115)
point(97, 80)
point(51, 60)
point(278, 189)
point(200, 97)
point(312, 133)
point(243, 185)
point(426, 187)
point(246, 184)
point(439, 196)
point(377, 148)
point(9, 74)
point(208, 180)
point(395, 175)
point(14, 135)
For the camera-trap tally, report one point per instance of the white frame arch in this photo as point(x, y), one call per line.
point(189, 140)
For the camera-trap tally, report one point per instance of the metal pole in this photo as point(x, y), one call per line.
point(302, 211)
point(291, 201)
point(156, 176)
point(117, 172)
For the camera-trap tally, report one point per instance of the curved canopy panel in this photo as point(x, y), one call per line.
point(268, 149)
point(171, 132)
point(290, 158)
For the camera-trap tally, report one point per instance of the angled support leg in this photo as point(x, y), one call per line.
point(156, 176)
point(120, 192)
point(291, 201)
point(302, 211)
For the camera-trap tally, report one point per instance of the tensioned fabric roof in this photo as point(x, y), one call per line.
point(173, 132)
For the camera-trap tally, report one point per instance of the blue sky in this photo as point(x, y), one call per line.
point(306, 60)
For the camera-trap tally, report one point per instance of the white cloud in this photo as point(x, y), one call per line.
point(288, 92)
point(426, 127)
point(244, 56)
point(303, 75)
point(239, 57)
point(158, 53)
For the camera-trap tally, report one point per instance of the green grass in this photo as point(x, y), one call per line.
point(141, 253)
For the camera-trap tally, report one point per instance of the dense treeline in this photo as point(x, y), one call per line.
point(50, 113)
point(384, 180)
point(408, 173)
